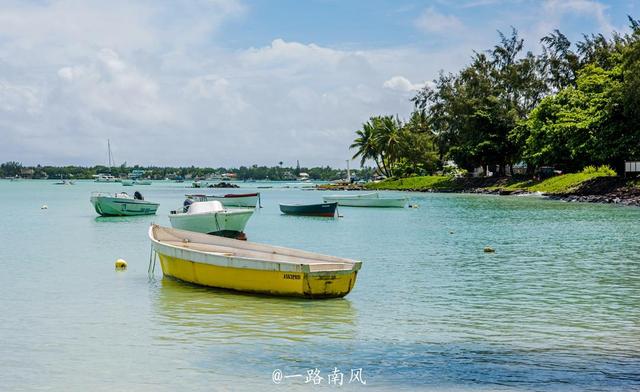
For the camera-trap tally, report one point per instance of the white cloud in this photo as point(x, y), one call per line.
point(16, 98)
point(431, 21)
point(591, 8)
point(111, 90)
point(155, 79)
point(400, 83)
point(283, 101)
point(554, 11)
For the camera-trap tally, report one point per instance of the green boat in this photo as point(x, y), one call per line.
point(322, 209)
point(121, 204)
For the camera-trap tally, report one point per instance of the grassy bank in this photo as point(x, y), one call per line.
point(565, 183)
point(423, 183)
point(562, 184)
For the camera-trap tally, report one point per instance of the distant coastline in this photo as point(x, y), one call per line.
point(192, 173)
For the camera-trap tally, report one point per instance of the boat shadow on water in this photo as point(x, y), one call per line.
point(130, 218)
point(310, 218)
point(230, 316)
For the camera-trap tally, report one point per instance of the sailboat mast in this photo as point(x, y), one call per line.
point(109, 149)
point(348, 172)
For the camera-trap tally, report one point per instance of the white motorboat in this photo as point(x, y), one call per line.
point(366, 200)
point(211, 217)
point(230, 199)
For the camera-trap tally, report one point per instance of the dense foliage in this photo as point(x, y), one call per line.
point(564, 108)
point(397, 148)
point(255, 172)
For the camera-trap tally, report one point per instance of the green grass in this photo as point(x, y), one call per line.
point(559, 184)
point(417, 183)
point(564, 183)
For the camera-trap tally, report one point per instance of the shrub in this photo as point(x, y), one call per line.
point(604, 170)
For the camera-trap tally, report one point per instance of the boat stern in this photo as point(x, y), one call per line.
point(329, 284)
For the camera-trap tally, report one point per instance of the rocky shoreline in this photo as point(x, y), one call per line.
point(604, 190)
point(627, 197)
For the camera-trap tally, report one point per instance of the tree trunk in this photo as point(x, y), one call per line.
point(384, 166)
point(530, 170)
point(378, 165)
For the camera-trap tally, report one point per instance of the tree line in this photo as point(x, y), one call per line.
point(254, 172)
point(568, 107)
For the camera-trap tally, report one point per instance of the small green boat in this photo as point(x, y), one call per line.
point(121, 204)
point(322, 209)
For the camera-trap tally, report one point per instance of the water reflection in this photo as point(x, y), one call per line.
point(132, 218)
point(299, 218)
point(229, 317)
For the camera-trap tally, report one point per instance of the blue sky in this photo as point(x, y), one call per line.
point(231, 82)
point(380, 24)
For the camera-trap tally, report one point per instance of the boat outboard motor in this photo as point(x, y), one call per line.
point(186, 204)
point(138, 196)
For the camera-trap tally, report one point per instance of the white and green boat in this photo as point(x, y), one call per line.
point(366, 200)
point(121, 204)
point(211, 217)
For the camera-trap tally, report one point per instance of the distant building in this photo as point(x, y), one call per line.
point(27, 172)
point(229, 176)
point(136, 174)
point(520, 168)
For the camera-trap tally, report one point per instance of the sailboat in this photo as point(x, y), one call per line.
point(64, 182)
point(106, 177)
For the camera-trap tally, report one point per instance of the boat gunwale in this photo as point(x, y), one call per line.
point(121, 200)
point(349, 197)
point(303, 267)
point(369, 195)
point(227, 196)
point(307, 205)
point(226, 211)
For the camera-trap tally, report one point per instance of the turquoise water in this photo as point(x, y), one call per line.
point(556, 307)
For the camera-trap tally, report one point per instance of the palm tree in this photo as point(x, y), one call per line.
point(365, 143)
point(388, 138)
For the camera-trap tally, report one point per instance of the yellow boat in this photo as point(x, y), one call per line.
point(245, 266)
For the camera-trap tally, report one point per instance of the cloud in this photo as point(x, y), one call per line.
point(431, 21)
point(121, 25)
point(400, 83)
point(479, 3)
point(112, 91)
point(15, 98)
point(156, 79)
point(283, 101)
point(556, 9)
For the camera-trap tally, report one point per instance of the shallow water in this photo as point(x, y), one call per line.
point(556, 307)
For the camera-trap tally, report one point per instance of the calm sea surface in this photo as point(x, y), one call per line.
point(557, 307)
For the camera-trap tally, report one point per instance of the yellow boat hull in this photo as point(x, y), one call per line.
point(325, 284)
